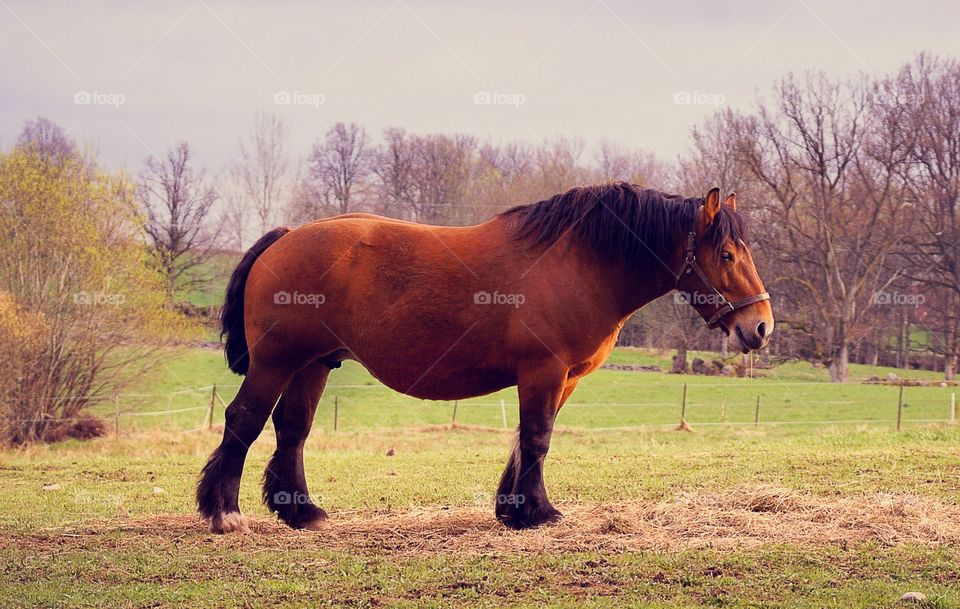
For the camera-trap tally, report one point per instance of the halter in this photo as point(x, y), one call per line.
point(726, 307)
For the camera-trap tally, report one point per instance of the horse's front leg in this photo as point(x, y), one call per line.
point(521, 500)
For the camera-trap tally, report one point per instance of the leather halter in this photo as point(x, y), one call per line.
point(726, 307)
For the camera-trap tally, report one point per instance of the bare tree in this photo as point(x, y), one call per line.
point(393, 169)
point(235, 213)
point(48, 140)
point(262, 167)
point(929, 90)
point(339, 165)
point(836, 218)
point(177, 201)
point(441, 174)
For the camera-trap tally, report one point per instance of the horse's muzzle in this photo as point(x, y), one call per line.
point(753, 336)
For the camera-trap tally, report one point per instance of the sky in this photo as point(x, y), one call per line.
point(132, 79)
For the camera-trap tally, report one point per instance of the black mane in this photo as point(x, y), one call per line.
point(621, 221)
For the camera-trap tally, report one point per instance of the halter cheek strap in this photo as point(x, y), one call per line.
point(726, 307)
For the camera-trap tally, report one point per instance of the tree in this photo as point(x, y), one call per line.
point(833, 200)
point(81, 313)
point(177, 201)
point(339, 165)
point(261, 167)
point(928, 90)
point(48, 141)
point(393, 169)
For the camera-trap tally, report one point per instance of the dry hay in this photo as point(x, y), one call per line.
point(738, 518)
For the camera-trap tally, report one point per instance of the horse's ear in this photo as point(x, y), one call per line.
point(711, 205)
point(731, 201)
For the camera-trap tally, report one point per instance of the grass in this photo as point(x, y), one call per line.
point(87, 544)
point(795, 393)
point(118, 528)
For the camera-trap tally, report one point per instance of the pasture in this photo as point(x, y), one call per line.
point(796, 511)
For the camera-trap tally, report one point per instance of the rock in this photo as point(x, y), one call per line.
point(51, 487)
point(913, 597)
point(728, 370)
point(892, 377)
point(158, 491)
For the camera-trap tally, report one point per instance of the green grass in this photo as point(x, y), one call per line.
point(49, 560)
point(208, 281)
point(85, 544)
point(793, 394)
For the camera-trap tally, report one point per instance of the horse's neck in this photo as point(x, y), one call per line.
point(631, 288)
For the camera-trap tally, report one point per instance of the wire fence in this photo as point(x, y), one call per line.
point(694, 404)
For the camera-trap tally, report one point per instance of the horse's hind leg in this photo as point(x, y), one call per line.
point(284, 483)
point(219, 488)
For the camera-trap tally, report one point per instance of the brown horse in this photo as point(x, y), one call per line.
point(534, 298)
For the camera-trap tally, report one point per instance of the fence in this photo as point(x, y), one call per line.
point(705, 403)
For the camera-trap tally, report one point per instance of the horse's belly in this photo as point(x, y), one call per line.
point(420, 380)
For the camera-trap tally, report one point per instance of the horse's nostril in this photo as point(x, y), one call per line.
point(762, 329)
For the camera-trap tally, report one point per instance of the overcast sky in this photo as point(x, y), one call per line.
point(134, 78)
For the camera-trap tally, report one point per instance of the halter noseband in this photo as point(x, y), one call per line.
point(726, 307)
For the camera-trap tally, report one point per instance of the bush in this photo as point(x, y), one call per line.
point(80, 309)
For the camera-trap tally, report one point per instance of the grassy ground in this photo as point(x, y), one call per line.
point(97, 540)
point(792, 394)
point(849, 514)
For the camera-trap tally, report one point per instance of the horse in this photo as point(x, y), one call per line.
point(533, 298)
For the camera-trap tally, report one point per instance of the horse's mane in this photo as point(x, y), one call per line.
point(621, 220)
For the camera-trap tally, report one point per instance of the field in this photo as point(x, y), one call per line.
point(798, 511)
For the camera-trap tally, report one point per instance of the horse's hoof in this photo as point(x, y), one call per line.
point(519, 519)
point(231, 522)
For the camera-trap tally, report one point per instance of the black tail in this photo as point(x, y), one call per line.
point(231, 315)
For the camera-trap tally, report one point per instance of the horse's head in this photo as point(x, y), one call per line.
point(718, 276)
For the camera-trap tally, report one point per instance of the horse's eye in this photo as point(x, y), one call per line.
point(728, 256)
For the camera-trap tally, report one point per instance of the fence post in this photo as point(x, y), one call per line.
point(683, 406)
point(453, 421)
point(116, 415)
point(503, 413)
point(953, 408)
point(336, 411)
point(683, 412)
point(900, 407)
point(213, 399)
point(756, 414)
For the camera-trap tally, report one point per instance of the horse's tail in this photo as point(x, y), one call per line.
point(231, 315)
